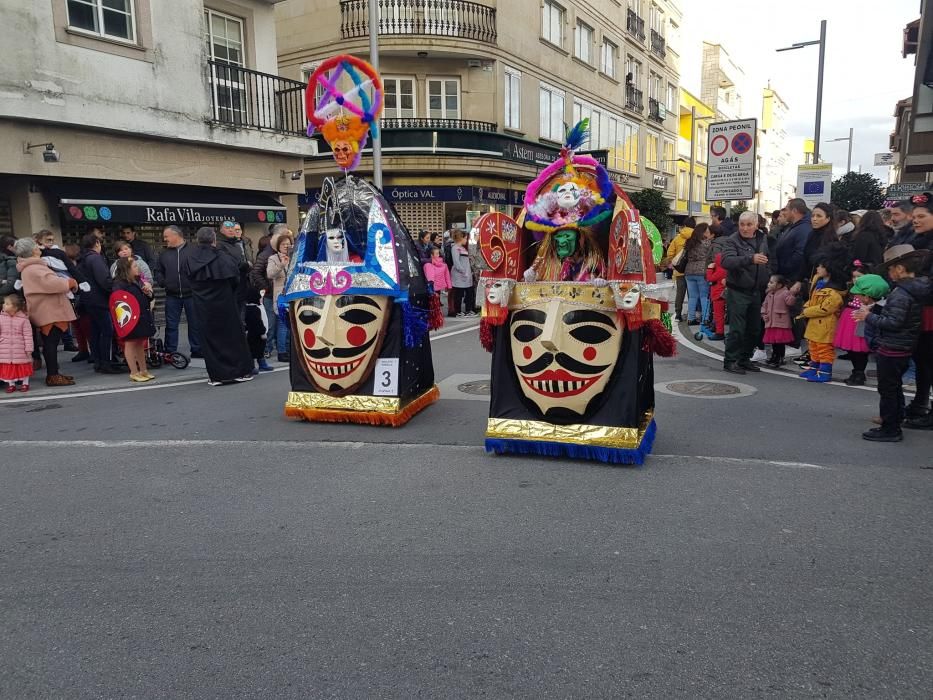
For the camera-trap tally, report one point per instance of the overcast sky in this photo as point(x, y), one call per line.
point(865, 74)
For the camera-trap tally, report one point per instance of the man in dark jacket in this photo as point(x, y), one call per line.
point(902, 224)
point(789, 253)
point(169, 272)
point(719, 217)
point(745, 259)
point(96, 304)
point(140, 248)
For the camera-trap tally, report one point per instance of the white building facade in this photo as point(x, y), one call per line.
point(146, 112)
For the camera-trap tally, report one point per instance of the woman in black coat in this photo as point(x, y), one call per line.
point(824, 234)
point(214, 275)
point(868, 240)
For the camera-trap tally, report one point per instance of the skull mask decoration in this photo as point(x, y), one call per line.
point(340, 337)
point(564, 354)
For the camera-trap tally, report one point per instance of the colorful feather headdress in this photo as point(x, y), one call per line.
point(573, 192)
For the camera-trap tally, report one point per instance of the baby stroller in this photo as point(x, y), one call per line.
point(156, 355)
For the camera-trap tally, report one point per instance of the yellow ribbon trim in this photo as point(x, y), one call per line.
point(578, 434)
point(304, 400)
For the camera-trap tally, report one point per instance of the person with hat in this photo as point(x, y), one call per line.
point(919, 415)
point(896, 329)
point(851, 335)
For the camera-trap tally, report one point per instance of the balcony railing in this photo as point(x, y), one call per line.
point(635, 25)
point(452, 18)
point(422, 123)
point(654, 110)
point(249, 99)
point(658, 44)
point(634, 99)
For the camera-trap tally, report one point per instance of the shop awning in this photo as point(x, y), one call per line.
point(97, 201)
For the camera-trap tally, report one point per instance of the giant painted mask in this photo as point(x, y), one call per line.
point(340, 337)
point(564, 350)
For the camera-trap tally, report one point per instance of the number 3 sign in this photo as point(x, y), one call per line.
point(385, 381)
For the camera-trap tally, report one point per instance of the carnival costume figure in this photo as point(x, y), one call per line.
point(356, 296)
point(573, 333)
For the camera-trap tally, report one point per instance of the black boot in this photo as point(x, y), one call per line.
point(733, 368)
point(856, 378)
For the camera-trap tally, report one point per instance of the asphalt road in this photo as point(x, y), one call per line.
point(191, 542)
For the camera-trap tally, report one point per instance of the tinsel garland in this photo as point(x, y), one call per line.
point(486, 335)
point(414, 324)
point(435, 314)
point(607, 455)
point(657, 339)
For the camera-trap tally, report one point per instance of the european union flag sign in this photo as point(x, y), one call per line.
point(813, 187)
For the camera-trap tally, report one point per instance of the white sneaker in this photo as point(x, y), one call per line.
point(244, 378)
point(759, 356)
point(211, 382)
point(460, 314)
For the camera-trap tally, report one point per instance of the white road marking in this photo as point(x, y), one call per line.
point(356, 445)
point(150, 386)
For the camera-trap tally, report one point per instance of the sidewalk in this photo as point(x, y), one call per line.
point(841, 368)
point(88, 381)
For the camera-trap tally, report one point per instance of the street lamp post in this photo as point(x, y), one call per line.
point(849, 139)
point(819, 84)
point(374, 60)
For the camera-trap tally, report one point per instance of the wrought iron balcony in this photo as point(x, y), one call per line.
point(455, 124)
point(444, 18)
point(246, 98)
point(635, 25)
point(654, 110)
point(634, 99)
point(658, 44)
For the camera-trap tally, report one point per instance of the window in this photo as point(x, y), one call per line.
point(607, 63)
point(651, 151)
point(701, 144)
point(654, 86)
point(673, 37)
point(552, 23)
point(656, 19)
point(633, 68)
point(110, 18)
point(513, 99)
point(667, 165)
point(672, 98)
point(224, 37)
point(635, 6)
point(683, 189)
point(583, 40)
point(443, 98)
point(399, 97)
point(552, 113)
point(627, 147)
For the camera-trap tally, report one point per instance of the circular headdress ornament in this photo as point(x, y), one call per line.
point(344, 118)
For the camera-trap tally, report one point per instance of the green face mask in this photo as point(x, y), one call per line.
point(566, 243)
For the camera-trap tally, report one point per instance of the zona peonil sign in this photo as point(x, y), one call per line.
point(731, 161)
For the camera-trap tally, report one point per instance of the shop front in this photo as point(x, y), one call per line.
point(83, 204)
point(436, 208)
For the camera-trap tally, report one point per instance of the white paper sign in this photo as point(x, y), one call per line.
point(730, 165)
point(385, 381)
point(886, 159)
point(815, 183)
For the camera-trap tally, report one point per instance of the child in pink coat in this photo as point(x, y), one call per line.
point(437, 274)
point(16, 344)
point(775, 312)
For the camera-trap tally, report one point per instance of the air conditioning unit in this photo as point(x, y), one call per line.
point(474, 63)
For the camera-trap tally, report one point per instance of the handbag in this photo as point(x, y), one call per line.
point(679, 263)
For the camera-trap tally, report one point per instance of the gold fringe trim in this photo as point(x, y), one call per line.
point(577, 434)
point(394, 418)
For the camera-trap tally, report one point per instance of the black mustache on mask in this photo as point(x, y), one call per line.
point(565, 361)
point(340, 353)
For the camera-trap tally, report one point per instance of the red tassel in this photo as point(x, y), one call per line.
point(435, 314)
point(485, 335)
point(657, 339)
